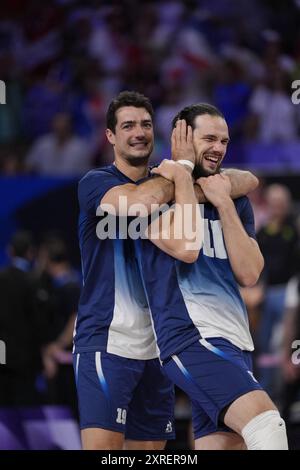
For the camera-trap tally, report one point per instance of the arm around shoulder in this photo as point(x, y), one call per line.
point(154, 191)
point(242, 182)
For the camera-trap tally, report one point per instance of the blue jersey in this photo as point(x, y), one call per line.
point(202, 299)
point(113, 314)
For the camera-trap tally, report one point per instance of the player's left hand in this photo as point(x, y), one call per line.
point(216, 188)
point(182, 142)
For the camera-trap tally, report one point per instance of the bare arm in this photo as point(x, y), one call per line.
point(153, 192)
point(65, 339)
point(159, 190)
point(178, 231)
point(244, 254)
point(242, 183)
point(52, 351)
point(289, 328)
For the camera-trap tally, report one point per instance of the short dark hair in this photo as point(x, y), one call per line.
point(189, 113)
point(56, 249)
point(126, 98)
point(21, 242)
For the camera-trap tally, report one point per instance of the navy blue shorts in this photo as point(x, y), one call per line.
point(134, 397)
point(213, 373)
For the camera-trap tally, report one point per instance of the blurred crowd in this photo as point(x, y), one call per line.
point(39, 292)
point(64, 60)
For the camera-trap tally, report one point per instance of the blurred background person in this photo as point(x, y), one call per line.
point(19, 325)
point(59, 153)
point(57, 296)
point(278, 240)
point(290, 392)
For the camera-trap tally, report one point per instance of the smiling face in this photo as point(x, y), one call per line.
point(210, 139)
point(133, 137)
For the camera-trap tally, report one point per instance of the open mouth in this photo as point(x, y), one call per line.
point(213, 161)
point(139, 145)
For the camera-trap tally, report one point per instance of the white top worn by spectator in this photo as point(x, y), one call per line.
point(60, 153)
point(292, 293)
point(277, 115)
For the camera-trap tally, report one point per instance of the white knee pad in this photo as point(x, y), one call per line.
point(266, 432)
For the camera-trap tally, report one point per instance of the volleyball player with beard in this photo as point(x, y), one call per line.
point(199, 317)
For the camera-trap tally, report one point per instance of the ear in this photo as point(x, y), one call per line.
point(110, 136)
